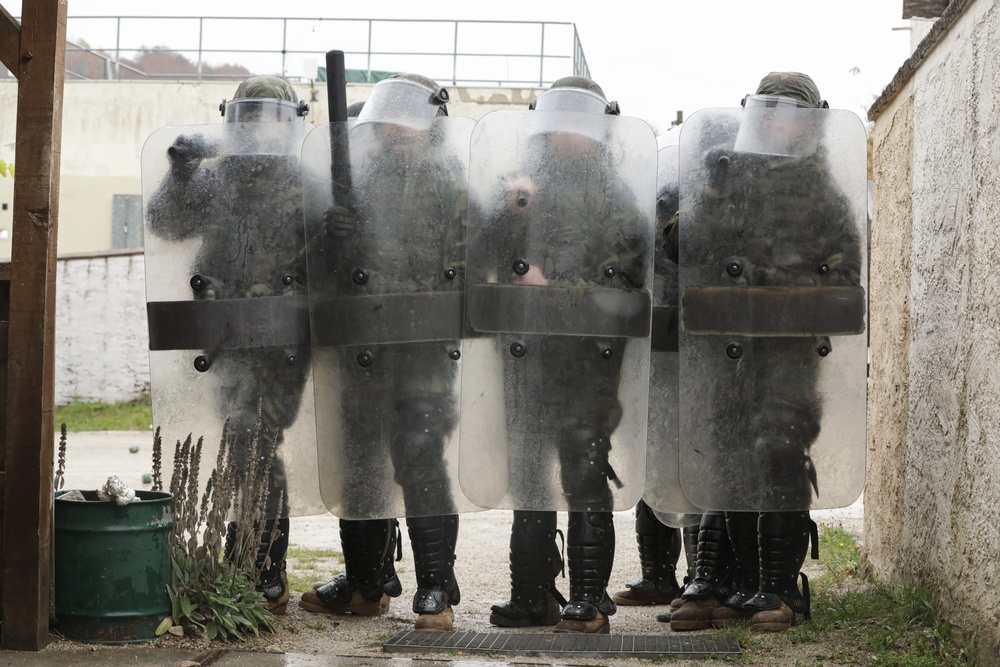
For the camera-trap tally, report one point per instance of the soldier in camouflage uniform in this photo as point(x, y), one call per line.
point(416, 380)
point(749, 562)
point(247, 212)
point(591, 228)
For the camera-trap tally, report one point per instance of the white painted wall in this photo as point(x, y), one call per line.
point(102, 341)
point(933, 494)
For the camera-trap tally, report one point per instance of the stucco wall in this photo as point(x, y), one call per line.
point(933, 495)
point(102, 341)
point(105, 124)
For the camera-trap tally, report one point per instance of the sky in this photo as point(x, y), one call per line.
point(655, 58)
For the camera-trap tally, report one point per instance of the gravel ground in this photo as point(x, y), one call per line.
point(481, 566)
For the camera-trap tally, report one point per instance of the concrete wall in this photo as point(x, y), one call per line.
point(102, 341)
point(932, 500)
point(105, 124)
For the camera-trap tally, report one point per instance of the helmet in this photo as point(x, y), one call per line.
point(405, 96)
point(777, 120)
point(355, 109)
point(787, 89)
point(575, 93)
point(263, 98)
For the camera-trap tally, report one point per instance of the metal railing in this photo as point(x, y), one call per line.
point(532, 53)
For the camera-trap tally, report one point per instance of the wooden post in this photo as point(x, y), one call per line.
point(30, 381)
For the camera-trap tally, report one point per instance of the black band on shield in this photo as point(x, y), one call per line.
point(387, 318)
point(773, 311)
point(583, 311)
point(663, 334)
point(228, 323)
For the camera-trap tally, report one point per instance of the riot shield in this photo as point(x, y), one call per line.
point(558, 299)
point(773, 366)
point(226, 293)
point(663, 490)
point(386, 262)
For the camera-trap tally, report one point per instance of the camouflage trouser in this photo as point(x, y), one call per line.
point(398, 415)
point(272, 378)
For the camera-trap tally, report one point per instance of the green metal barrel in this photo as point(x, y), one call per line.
point(112, 567)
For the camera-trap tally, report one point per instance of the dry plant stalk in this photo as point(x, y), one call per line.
point(60, 479)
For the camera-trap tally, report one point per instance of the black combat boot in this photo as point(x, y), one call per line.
point(784, 541)
point(534, 563)
point(269, 562)
point(360, 590)
point(390, 580)
point(659, 549)
point(711, 579)
point(591, 551)
point(433, 539)
point(742, 528)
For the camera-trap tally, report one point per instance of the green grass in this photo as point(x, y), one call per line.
point(862, 621)
point(134, 415)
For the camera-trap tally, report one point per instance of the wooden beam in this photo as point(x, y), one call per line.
point(27, 521)
point(10, 39)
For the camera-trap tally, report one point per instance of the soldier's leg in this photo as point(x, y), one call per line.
point(360, 590)
point(659, 549)
point(711, 578)
point(534, 563)
point(422, 425)
point(689, 535)
point(742, 529)
point(783, 542)
point(591, 554)
point(433, 539)
point(585, 468)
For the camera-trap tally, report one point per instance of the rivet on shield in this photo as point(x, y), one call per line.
point(520, 267)
point(455, 354)
point(450, 273)
point(610, 272)
point(823, 350)
point(366, 359)
point(734, 269)
point(824, 269)
point(518, 349)
point(287, 279)
point(607, 353)
point(202, 363)
point(359, 276)
point(734, 350)
point(198, 283)
point(291, 359)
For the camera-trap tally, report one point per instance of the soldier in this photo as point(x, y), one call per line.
point(390, 375)
point(239, 194)
point(770, 196)
point(565, 218)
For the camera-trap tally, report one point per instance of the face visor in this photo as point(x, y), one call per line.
point(781, 126)
point(401, 98)
point(262, 110)
point(575, 100)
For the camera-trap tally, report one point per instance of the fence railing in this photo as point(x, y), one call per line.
point(533, 53)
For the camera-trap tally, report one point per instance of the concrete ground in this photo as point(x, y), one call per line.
point(481, 569)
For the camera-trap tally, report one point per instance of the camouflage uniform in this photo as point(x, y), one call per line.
point(586, 230)
point(407, 390)
point(247, 212)
point(749, 561)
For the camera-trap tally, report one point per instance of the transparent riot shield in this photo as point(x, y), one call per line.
point(558, 299)
point(226, 292)
point(773, 283)
point(385, 207)
point(663, 489)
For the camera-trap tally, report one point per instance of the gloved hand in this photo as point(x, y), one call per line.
point(340, 220)
point(187, 152)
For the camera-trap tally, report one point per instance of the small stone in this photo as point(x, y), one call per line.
point(147, 478)
point(134, 449)
point(177, 630)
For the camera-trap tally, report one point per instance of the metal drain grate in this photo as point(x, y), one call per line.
point(563, 644)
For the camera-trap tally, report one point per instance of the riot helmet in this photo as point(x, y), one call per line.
point(263, 99)
point(405, 96)
point(574, 99)
point(355, 109)
point(776, 118)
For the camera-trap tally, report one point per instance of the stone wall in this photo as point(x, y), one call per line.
point(932, 499)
